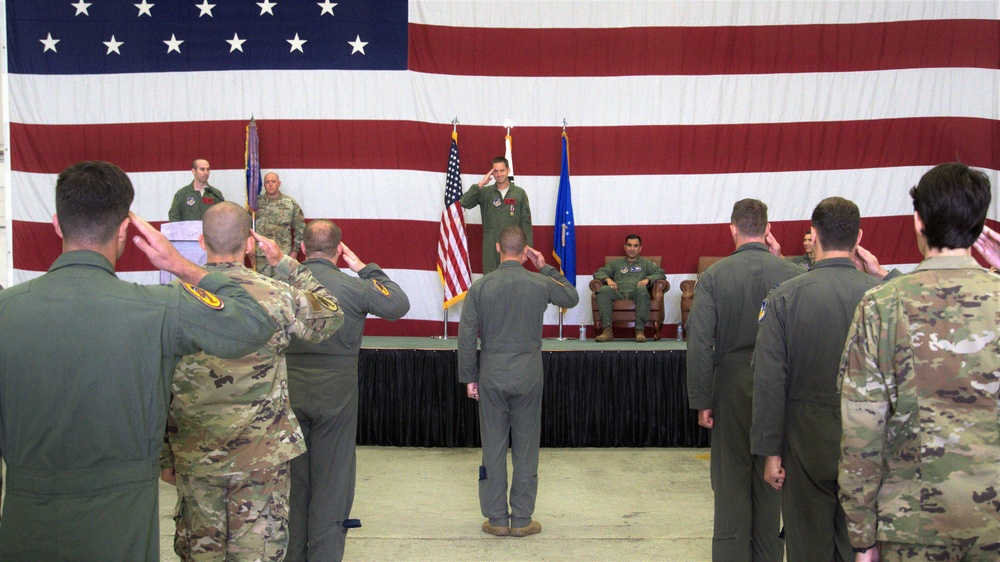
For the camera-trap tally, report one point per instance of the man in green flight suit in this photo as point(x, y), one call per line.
point(191, 201)
point(796, 400)
point(722, 330)
point(323, 387)
point(628, 278)
point(920, 390)
point(505, 310)
point(501, 204)
point(87, 361)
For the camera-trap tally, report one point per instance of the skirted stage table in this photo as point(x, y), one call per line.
point(615, 394)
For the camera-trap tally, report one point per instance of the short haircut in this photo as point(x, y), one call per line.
point(92, 200)
point(837, 220)
point(226, 227)
point(501, 160)
point(322, 236)
point(512, 241)
point(750, 217)
point(194, 163)
point(633, 236)
point(952, 200)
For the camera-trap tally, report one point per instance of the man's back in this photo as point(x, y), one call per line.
point(728, 298)
point(233, 414)
point(808, 318)
point(87, 361)
point(511, 303)
point(371, 293)
point(925, 351)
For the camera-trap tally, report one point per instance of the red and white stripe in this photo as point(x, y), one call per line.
point(677, 109)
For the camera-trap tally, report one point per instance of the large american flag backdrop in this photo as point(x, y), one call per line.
point(676, 110)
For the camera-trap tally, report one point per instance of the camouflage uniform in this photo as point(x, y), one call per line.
point(504, 309)
point(323, 386)
point(498, 212)
point(919, 399)
point(627, 275)
point(231, 425)
point(796, 404)
point(722, 330)
point(190, 205)
point(281, 220)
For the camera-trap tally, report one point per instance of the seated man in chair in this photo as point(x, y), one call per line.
point(627, 278)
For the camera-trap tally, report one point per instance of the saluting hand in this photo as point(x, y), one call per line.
point(988, 246)
point(536, 257)
point(161, 252)
point(350, 259)
point(772, 244)
point(867, 262)
point(270, 248)
point(486, 179)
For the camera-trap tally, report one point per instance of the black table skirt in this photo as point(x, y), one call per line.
point(412, 398)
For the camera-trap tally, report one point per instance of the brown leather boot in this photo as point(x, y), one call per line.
point(640, 336)
point(606, 335)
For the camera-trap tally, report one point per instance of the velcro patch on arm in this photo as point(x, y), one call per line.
point(205, 297)
point(318, 302)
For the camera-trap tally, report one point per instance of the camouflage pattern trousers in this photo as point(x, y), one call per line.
point(233, 518)
point(981, 549)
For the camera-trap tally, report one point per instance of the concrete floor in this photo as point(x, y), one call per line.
point(593, 504)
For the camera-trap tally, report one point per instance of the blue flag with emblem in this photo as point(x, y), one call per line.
point(564, 245)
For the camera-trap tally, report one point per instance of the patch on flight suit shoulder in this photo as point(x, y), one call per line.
point(206, 298)
point(380, 287)
point(318, 302)
point(763, 311)
point(557, 282)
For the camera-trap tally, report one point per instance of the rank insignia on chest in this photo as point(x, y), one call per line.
point(763, 311)
point(206, 298)
point(190, 201)
point(380, 287)
point(497, 202)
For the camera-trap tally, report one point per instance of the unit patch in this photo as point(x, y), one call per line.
point(380, 287)
point(206, 298)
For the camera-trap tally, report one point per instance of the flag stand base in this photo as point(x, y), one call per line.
point(445, 335)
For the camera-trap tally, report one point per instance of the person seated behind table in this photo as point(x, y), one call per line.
point(627, 278)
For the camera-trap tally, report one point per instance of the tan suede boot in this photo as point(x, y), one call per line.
point(606, 335)
point(640, 336)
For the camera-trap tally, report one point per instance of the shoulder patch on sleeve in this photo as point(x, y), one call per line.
point(380, 287)
point(318, 301)
point(763, 311)
point(206, 298)
point(557, 282)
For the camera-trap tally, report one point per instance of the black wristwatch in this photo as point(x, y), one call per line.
point(863, 550)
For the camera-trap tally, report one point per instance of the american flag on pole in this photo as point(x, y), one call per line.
point(679, 108)
point(453, 247)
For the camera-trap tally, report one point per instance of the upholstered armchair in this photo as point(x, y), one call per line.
point(623, 312)
point(687, 286)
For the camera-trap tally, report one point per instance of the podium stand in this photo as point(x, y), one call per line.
point(184, 236)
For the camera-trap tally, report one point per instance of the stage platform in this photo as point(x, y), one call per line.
point(614, 394)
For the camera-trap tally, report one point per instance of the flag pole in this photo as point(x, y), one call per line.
point(447, 264)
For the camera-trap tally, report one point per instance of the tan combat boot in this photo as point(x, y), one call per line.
point(606, 335)
point(640, 336)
